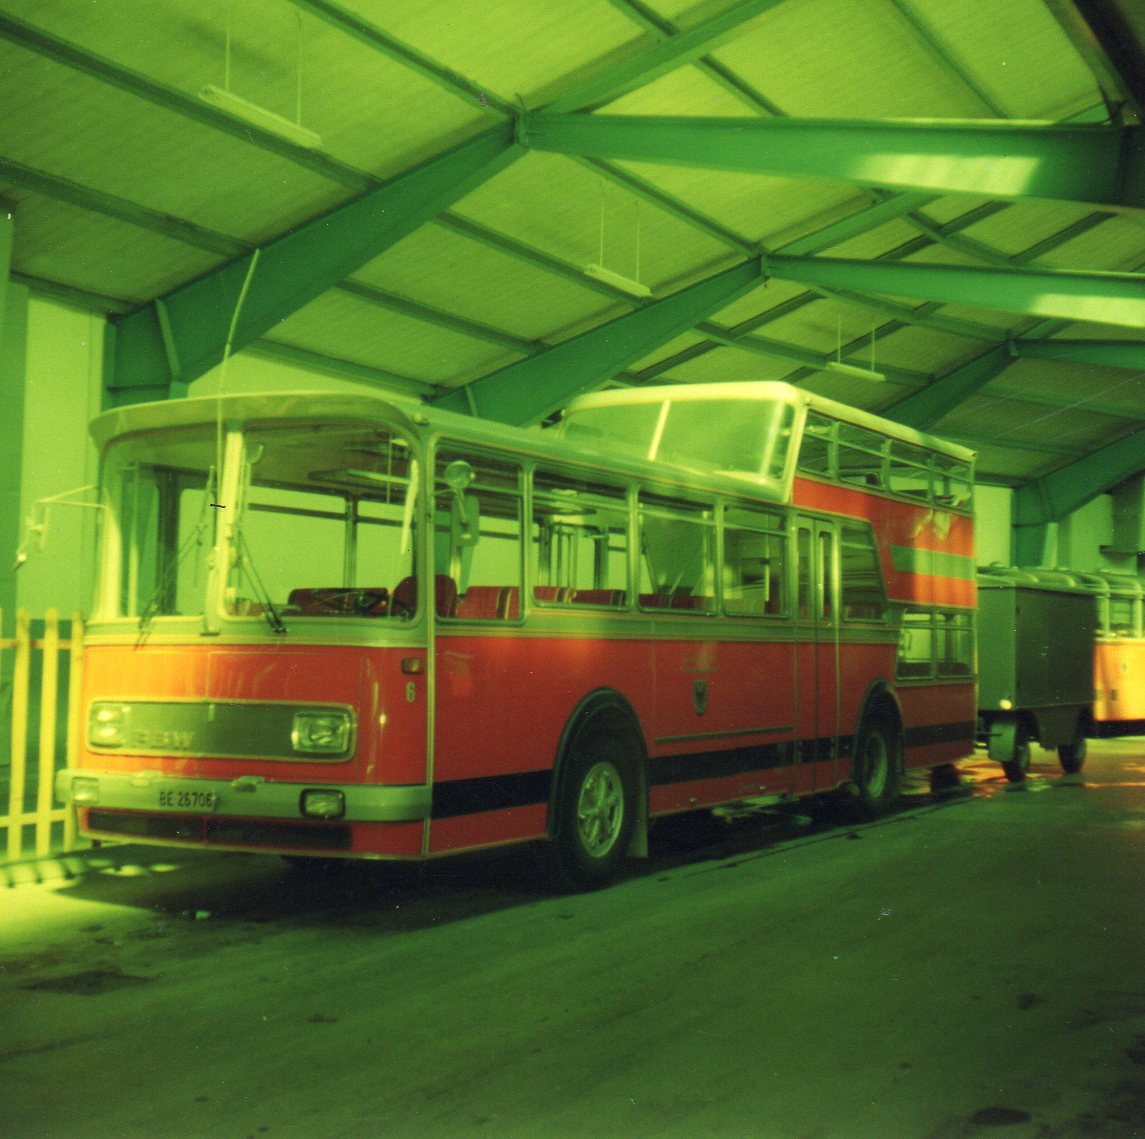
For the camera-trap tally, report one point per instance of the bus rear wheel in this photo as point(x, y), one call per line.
point(1018, 765)
point(1072, 755)
point(876, 766)
point(593, 815)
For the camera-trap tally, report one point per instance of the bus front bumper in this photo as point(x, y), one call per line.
point(246, 796)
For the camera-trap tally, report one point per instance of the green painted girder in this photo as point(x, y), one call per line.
point(1103, 297)
point(1088, 162)
point(1058, 494)
point(1108, 353)
point(527, 391)
point(179, 337)
point(925, 408)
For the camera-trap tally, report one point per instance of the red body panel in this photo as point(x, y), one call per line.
point(391, 742)
point(905, 527)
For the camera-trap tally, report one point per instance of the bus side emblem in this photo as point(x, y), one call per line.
point(700, 696)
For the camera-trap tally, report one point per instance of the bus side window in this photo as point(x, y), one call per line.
point(677, 562)
point(578, 541)
point(861, 582)
point(754, 562)
point(485, 566)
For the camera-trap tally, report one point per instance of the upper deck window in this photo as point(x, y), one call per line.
point(861, 456)
point(742, 436)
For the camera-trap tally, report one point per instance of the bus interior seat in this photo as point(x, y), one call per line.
point(444, 596)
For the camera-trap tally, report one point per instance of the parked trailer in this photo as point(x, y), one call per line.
point(1036, 635)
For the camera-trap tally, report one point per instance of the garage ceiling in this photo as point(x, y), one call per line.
point(950, 195)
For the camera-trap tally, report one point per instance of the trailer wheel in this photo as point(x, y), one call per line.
point(594, 813)
point(1016, 767)
point(876, 765)
point(1072, 755)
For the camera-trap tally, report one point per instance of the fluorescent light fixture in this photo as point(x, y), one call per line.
point(260, 117)
point(838, 368)
point(617, 281)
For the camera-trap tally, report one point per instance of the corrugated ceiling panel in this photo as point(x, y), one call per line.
point(1016, 50)
point(926, 350)
point(748, 204)
point(518, 47)
point(152, 156)
point(351, 95)
point(562, 217)
point(481, 284)
point(840, 59)
point(1023, 225)
point(727, 364)
point(1083, 386)
point(1117, 244)
point(68, 245)
point(344, 327)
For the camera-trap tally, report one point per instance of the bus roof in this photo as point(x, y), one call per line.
point(765, 391)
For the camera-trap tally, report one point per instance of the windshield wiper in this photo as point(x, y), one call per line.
point(262, 594)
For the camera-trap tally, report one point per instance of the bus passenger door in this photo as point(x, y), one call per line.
point(816, 655)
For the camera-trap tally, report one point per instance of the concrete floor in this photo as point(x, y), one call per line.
point(965, 967)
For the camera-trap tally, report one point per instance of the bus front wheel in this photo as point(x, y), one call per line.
point(594, 813)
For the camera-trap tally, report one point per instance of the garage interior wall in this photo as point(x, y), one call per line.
point(61, 391)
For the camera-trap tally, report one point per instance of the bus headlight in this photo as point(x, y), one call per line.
point(323, 803)
point(322, 731)
point(84, 791)
point(106, 725)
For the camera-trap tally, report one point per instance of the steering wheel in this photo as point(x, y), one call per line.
point(359, 602)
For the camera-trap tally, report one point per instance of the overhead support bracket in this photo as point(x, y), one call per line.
point(925, 408)
point(530, 389)
point(1082, 162)
point(1058, 494)
point(1103, 297)
point(158, 349)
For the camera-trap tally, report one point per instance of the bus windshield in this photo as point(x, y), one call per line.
point(316, 521)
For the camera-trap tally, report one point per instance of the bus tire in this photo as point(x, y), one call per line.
point(594, 813)
point(1072, 755)
point(877, 763)
point(1016, 767)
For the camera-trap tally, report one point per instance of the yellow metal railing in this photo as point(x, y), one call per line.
point(30, 778)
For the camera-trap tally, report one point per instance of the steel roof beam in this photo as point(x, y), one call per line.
point(526, 391)
point(1103, 297)
point(1058, 494)
point(1075, 162)
point(179, 337)
point(1108, 353)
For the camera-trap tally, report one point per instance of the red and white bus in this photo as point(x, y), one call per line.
point(1118, 654)
point(346, 626)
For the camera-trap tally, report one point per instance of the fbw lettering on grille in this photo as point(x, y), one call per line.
point(188, 800)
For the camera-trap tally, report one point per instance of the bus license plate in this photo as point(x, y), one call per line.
point(185, 800)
